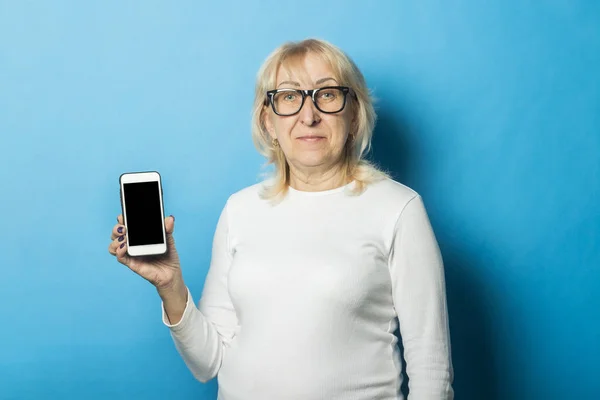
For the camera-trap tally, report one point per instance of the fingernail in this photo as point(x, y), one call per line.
point(173, 217)
point(120, 238)
point(120, 230)
point(121, 246)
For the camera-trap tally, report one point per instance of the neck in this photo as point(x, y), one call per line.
point(316, 181)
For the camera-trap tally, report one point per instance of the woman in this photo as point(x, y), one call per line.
point(313, 269)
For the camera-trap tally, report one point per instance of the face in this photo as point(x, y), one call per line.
point(311, 140)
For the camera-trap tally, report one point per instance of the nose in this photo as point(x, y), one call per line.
point(309, 115)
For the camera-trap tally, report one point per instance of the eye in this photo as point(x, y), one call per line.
point(290, 96)
point(328, 94)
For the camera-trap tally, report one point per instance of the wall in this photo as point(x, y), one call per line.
point(489, 109)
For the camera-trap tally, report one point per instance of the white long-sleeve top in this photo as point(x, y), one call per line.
point(302, 299)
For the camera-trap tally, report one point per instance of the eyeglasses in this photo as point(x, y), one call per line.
point(329, 99)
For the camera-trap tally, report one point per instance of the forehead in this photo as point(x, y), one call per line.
point(305, 69)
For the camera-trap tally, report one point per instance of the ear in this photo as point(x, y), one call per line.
point(354, 120)
point(266, 122)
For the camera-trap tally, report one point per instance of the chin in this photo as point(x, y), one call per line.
point(311, 161)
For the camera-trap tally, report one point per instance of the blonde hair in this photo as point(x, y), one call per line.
point(359, 140)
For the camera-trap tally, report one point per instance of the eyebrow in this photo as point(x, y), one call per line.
point(289, 82)
point(324, 80)
point(297, 84)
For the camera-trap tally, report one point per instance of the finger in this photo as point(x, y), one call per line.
point(118, 230)
point(169, 224)
point(111, 248)
point(121, 251)
point(120, 219)
point(115, 244)
point(169, 228)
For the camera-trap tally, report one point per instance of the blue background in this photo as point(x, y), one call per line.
point(491, 110)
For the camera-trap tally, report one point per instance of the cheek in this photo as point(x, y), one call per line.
point(274, 122)
point(340, 129)
point(282, 126)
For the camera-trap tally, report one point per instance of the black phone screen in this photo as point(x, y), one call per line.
point(142, 213)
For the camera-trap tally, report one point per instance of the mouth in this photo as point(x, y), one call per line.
point(311, 138)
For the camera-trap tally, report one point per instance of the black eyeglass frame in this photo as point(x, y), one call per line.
point(308, 93)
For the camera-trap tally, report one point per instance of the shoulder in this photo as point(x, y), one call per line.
point(396, 205)
point(247, 197)
point(389, 193)
point(386, 194)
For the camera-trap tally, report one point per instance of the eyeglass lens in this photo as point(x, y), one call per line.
point(327, 100)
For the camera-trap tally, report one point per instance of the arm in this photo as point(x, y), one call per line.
point(202, 331)
point(174, 300)
point(419, 293)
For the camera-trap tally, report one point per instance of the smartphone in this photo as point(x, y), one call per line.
point(143, 213)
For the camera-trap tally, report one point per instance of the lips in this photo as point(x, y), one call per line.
point(311, 139)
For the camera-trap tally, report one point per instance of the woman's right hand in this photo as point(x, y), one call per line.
point(163, 271)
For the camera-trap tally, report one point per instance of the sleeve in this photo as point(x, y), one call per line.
point(203, 331)
point(419, 293)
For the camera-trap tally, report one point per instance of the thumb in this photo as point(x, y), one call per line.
point(169, 227)
point(169, 224)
